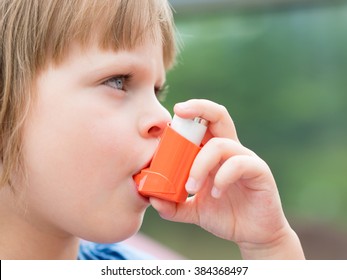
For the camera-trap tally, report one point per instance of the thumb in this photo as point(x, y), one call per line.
point(176, 212)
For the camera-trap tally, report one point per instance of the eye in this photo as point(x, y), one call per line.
point(117, 82)
point(161, 92)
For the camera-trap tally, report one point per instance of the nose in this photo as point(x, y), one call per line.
point(153, 121)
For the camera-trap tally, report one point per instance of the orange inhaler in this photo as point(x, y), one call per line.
point(169, 169)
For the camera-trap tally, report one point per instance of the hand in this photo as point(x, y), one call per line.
point(234, 193)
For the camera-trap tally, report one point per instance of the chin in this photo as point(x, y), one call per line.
point(116, 232)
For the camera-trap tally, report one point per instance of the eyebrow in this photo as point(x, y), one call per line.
point(125, 65)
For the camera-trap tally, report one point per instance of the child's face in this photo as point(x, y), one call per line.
point(95, 124)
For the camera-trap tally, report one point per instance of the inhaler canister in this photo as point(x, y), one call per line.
point(193, 130)
point(169, 169)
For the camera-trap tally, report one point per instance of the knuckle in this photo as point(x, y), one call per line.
point(223, 109)
point(221, 143)
point(216, 143)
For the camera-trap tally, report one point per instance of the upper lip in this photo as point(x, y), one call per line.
point(148, 163)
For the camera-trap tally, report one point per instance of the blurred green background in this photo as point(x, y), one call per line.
point(281, 72)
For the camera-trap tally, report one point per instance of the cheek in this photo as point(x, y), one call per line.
point(106, 157)
point(79, 170)
point(71, 151)
point(78, 150)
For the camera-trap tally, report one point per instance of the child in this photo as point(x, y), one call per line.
point(80, 116)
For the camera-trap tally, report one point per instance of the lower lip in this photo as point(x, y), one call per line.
point(143, 198)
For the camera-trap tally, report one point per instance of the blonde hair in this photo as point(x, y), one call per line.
point(35, 33)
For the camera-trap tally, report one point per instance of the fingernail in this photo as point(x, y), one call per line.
point(182, 106)
point(191, 186)
point(216, 193)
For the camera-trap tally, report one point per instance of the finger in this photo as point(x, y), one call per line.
point(214, 153)
point(252, 171)
point(221, 124)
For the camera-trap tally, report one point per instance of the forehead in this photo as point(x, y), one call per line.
point(145, 60)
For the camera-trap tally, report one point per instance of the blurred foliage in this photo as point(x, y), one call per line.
point(282, 76)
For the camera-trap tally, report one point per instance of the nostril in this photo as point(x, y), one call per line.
point(155, 131)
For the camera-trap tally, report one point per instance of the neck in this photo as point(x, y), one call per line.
point(22, 239)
